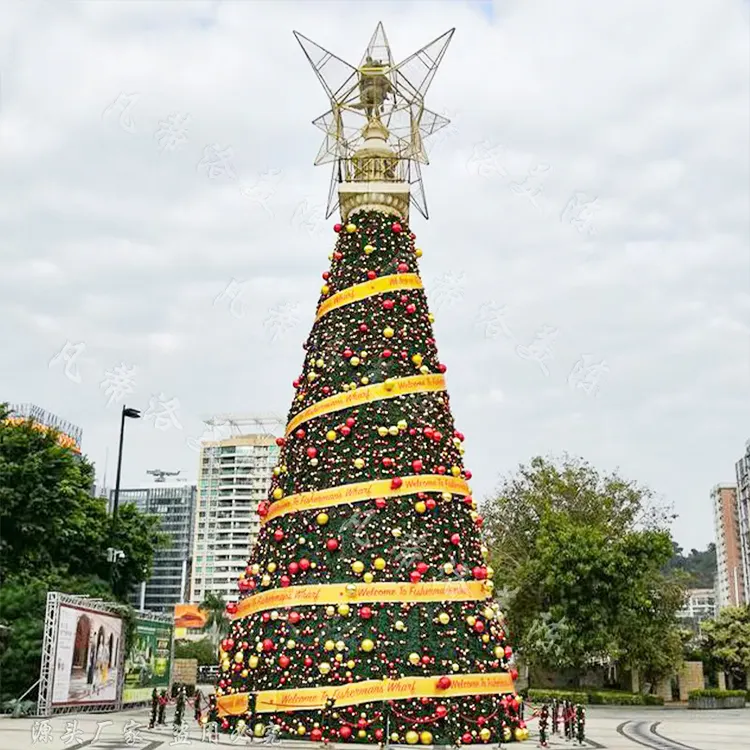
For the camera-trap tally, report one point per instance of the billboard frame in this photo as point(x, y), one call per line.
point(163, 619)
point(55, 600)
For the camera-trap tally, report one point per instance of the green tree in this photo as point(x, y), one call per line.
point(216, 616)
point(50, 521)
point(726, 642)
point(584, 559)
point(54, 537)
point(204, 651)
point(700, 565)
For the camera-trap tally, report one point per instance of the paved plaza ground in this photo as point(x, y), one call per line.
point(614, 728)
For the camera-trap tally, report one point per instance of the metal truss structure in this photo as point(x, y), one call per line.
point(378, 90)
point(240, 424)
point(55, 600)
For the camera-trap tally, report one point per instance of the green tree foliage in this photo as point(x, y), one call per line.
point(54, 536)
point(204, 651)
point(216, 616)
point(726, 642)
point(700, 565)
point(583, 557)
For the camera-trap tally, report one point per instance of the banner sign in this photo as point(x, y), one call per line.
point(356, 593)
point(358, 491)
point(367, 393)
point(86, 662)
point(314, 699)
point(148, 663)
point(394, 283)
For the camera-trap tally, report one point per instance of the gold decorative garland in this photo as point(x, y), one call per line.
point(314, 698)
point(376, 392)
point(357, 593)
point(359, 491)
point(394, 283)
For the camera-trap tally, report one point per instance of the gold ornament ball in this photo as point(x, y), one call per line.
point(358, 566)
point(485, 734)
point(361, 734)
point(351, 228)
point(414, 658)
point(412, 737)
point(278, 493)
point(382, 431)
point(368, 249)
point(394, 736)
point(322, 519)
point(239, 657)
point(271, 567)
point(344, 609)
point(399, 625)
point(418, 252)
point(417, 359)
point(291, 643)
point(300, 730)
point(325, 289)
point(506, 734)
point(519, 734)
point(425, 738)
point(331, 435)
point(259, 730)
point(379, 563)
point(455, 470)
point(266, 580)
point(329, 645)
point(420, 506)
point(389, 384)
point(470, 620)
point(313, 462)
point(368, 577)
point(359, 463)
point(354, 361)
point(388, 332)
point(448, 569)
point(324, 667)
point(330, 610)
point(340, 646)
point(444, 618)
point(367, 645)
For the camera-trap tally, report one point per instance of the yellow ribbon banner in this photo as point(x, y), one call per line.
point(312, 699)
point(358, 491)
point(396, 282)
point(396, 387)
point(336, 593)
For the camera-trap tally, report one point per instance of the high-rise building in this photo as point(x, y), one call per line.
point(170, 577)
point(731, 576)
point(234, 475)
point(743, 511)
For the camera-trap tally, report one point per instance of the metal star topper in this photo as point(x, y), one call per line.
point(378, 91)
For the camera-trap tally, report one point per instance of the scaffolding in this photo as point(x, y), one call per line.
point(241, 424)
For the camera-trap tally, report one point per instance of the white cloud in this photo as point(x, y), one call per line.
point(641, 107)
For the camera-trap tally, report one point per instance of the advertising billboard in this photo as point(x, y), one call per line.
point(86, 657)
point(147, 664)
point(188, 617)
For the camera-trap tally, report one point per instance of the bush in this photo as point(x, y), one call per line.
point(716, 693)
point(594, 697)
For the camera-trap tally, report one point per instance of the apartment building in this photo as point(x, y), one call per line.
point(174, 504)
point(743, 511)
point(700, 605)
point(731, 575)
point(234, 475)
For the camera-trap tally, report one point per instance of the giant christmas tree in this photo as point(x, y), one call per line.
point(365, 611)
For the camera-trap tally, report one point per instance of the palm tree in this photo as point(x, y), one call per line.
point(217, 621)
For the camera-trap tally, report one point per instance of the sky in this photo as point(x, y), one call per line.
point(162, 227)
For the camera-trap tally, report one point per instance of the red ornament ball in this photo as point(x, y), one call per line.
point(337, 228)
point(332, 545)
point(267, 645)
point(396, 227)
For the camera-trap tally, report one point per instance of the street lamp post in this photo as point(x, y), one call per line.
point(127, 413)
